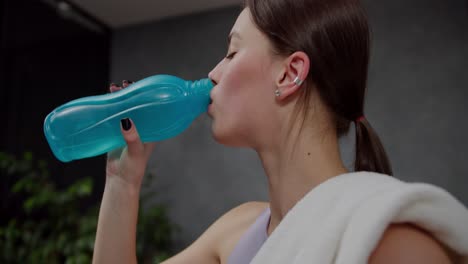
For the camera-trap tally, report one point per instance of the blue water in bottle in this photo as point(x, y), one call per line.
point(162, 106)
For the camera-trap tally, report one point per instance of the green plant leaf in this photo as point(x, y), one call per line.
point(28, 156)
point(56, 228)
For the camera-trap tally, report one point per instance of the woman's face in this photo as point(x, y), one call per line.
point(243, 108)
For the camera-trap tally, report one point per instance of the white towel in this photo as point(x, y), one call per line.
point(342, 220)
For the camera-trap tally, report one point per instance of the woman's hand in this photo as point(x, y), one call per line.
point(115, 87)
point(128, 164)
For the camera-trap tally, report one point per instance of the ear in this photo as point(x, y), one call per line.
point(295, 66)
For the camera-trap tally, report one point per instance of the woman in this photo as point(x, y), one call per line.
point(292, 82)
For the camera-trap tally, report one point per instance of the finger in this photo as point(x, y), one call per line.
point(114, 88)
point(125, 84)
point(135, 147)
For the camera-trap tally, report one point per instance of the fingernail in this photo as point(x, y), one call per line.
point(126, 124)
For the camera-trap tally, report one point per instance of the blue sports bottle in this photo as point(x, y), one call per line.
point(162, 106)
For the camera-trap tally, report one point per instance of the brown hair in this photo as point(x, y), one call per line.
point(335, 36)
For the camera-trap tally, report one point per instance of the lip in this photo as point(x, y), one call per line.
point(210, 109)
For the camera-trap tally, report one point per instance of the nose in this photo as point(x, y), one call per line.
point(214, 74)
point(212, 77)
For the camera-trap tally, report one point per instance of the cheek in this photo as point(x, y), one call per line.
point(241, 96)
point(244, 80)
point(243, 85)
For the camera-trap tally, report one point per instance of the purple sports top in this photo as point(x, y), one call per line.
point(252, 240)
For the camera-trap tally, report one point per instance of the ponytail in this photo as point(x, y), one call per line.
point(335, 36)
point(370, 153)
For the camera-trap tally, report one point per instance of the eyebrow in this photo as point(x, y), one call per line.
point(232, 35)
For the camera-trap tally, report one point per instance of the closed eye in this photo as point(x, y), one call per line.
point(231, 55)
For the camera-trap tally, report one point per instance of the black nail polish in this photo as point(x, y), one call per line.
point(126, 124)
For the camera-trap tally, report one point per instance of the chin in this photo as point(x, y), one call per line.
point(226, 137)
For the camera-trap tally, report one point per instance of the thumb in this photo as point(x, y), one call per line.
point(135, 147)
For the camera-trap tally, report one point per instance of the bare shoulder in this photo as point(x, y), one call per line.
point(245, 213)
point(217, 242)
point(237, 219)
point(233, 225)
point(404, 243)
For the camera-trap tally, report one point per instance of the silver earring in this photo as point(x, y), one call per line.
point(277, 93)
point(298, 81)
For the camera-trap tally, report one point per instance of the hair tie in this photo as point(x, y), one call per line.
point(360, 119)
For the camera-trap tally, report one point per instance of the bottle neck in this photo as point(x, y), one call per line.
point(202, 86)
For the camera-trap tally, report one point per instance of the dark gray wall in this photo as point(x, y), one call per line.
point(416, 101)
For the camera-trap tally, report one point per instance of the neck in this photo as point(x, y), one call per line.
point(294, 168)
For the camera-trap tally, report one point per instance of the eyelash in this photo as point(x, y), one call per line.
point(231, 55)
